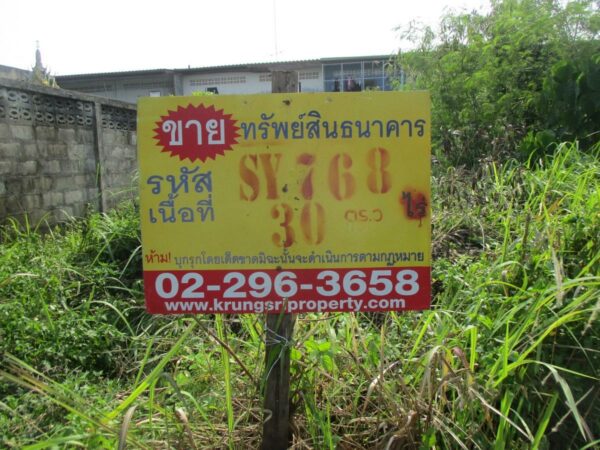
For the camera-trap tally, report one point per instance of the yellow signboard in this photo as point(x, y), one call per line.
point(296, 202)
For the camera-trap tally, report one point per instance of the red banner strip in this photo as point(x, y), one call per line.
point(295, 291)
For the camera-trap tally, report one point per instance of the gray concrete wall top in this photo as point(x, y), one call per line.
point(58, 92)
point(13, 73)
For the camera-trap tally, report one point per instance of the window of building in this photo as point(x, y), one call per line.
point(147, 84)
point(312, 75)
point(154, 93)
point(357, 76)
point(232, 79)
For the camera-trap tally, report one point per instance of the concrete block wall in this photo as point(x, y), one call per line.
point(45, 171)
point(62, 153)
point(119, 164)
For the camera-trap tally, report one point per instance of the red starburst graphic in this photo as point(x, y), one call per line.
point(196, 132)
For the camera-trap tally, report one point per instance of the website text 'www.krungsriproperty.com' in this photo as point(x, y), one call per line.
point(216, 306)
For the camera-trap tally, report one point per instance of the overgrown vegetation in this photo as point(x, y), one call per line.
point(508, 356)
point(516, 79)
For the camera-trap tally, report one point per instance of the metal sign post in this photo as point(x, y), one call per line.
point(279, 331)
point(276, 425)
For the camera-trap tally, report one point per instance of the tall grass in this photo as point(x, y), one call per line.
point(508, 356)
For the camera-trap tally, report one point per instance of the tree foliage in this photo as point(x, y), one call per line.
point(509, 78)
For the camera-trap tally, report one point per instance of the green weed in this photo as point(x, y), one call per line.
point(506, 358)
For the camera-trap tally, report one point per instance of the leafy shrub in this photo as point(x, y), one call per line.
point(65, 296)
point(527, 66)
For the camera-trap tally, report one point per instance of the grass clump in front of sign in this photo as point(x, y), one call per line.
point(507, 358)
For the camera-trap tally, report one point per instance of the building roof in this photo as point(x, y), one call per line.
point(246, 67)
point(118, 74)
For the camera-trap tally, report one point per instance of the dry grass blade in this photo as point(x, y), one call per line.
point(441, 425)
point(125, 427)
point(16, 275)
point(229, 350)
point(560, 423)
point(559, 276)
point(182, 416)
point(592, 319)
point(405, 437)
point(374, 383)
point(525, 433)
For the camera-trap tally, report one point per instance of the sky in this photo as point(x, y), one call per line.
point(108, 35)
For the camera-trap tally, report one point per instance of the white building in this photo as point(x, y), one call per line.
point(318, 75)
